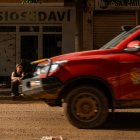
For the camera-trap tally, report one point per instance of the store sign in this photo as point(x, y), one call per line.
point(39, 16)
point(117, 4)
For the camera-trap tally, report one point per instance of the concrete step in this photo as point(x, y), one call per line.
point(5, 91)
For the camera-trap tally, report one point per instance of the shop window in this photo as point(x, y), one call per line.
point(7, 28)
point(52, 28)
point(29, 29)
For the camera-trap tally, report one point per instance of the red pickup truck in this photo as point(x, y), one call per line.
point(89, 83)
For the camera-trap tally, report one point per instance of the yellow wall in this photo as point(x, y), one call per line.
point(9, 1)
point(19, 1)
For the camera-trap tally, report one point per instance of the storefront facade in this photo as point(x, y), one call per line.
point(103, 20)
point(109, 16)
point(30, 32)
point(107, 24)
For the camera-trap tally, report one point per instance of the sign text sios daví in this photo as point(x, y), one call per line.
point(35, 16)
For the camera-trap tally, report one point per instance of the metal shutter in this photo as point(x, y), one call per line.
point(107, 24)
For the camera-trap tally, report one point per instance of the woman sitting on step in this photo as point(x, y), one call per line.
point(16, 78)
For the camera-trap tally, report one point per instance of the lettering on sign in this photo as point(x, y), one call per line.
point(117, 4)
point(35, 16)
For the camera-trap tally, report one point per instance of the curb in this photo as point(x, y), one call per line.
point(17, 98)
point(5, 94)
point(5, 97)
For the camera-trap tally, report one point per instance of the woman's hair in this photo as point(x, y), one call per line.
point(18, 65)
point(15, 71)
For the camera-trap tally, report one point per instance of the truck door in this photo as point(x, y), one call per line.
point(130, 76)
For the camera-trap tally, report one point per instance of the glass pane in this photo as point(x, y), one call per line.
point(29, 29)
point(7, 28)
point(52, 45)
point(52, 28)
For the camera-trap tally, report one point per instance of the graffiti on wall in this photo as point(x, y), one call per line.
point(7, 53)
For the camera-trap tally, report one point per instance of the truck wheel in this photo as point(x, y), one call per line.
point(86, 107)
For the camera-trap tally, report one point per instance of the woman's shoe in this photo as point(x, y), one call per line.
point(13, 95)
point(21, 94)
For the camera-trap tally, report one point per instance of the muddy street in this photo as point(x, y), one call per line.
point(32, 120)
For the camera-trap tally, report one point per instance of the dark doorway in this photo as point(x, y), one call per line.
point(29, 47)
point(29, 52)
point(52, 45)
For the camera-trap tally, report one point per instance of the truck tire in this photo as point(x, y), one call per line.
point(86, 107)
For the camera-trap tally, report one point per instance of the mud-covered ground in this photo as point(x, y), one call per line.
point(32, 120)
